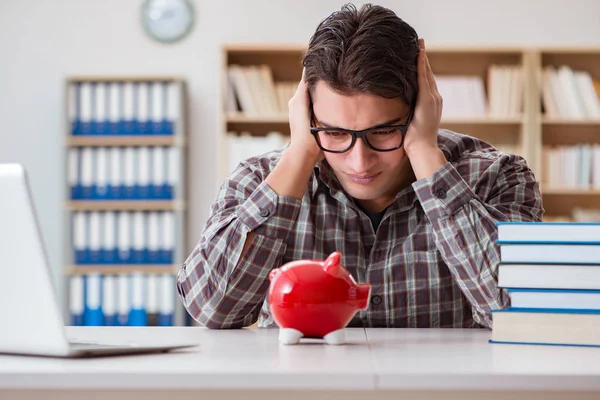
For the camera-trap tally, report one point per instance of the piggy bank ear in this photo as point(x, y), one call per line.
point(274, 273)
point(332, 263)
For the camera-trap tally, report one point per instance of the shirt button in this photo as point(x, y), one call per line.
point(376, 299)
point(441, 193)
point(263, 212)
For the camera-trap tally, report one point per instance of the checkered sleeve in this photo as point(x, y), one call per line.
point(218, 287)
point(463, 217)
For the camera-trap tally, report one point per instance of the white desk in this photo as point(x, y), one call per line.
point(251, 364)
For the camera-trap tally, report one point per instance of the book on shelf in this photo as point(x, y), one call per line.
point(252, 90)
point(128, 238)
point(124, 173)
point(124, 107)
point(135, 299)
point(465, 95)
point(244, 145)
point(569, 93)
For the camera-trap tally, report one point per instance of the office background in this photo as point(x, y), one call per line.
point(43, 42)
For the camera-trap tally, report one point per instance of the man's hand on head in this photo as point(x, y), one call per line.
point(303, 143)
point(420, 143)
point(291, 175)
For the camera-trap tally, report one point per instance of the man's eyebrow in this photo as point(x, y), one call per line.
point(329, 126)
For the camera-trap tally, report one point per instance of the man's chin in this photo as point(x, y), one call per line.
point(362, 192)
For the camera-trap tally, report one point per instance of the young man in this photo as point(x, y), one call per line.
point(368, 172)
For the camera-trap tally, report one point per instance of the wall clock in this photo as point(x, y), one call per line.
point(167, 21)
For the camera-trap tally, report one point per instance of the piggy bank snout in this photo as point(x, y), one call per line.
point(361, 294)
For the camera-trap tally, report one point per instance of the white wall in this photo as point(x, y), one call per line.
point(43, 41)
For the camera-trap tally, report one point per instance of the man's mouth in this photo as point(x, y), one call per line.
point(363, 179)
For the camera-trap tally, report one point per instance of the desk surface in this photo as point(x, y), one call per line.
point(394, 359)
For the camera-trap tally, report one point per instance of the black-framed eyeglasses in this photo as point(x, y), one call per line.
point(378, 138)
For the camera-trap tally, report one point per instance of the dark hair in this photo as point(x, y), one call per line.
point(370, 50)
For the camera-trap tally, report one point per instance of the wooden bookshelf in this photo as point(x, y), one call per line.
point(173, 110)
point(528, 131)
point(560, 131)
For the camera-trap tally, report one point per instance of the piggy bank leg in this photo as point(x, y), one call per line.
point(289, 335)
point(335, 337)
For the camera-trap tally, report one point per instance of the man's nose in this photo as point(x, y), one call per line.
point(360, 155)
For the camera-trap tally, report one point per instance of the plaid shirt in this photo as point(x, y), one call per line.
point(431, 263)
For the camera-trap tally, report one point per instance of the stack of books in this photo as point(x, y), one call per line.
point(551, 271)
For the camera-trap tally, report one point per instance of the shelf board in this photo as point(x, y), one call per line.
point(261, 48)
point(569, 121)
point(257, 119)
point(118, 78)
point(238, 117)
point(148, 140)
point(431, 47)
point(570, 191)
point(115, 269)
point(484, 120)
point(124, 205)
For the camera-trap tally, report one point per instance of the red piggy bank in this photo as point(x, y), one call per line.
point(315, 299)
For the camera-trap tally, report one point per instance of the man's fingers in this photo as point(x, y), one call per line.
point(422, 75)
point(430, 77)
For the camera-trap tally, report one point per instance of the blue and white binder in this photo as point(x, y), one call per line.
point(143, 176)
point(74, 181)
point(173, 173)
point(139, 238)
point(128, 123)
point(152, 299)
point(114, 108)
point(167, 300)
point(143, 109)
point(73, 110)
point(130, 178)
point(80, 238)
point(159, 112)
point(87, 173)
point(123, 299)
point(101, 185)
point(137, 314)
point(153, 255)
point(115, 179)
point(173, 101)
point(167, 238)
point(109, 300)
point(93, 315)
point(110, 252)
point(76, 299)
point(85, 108)
point(95, 235)
point(100, 120)
point(158, 183)
point(124, 238)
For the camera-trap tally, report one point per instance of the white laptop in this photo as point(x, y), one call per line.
point(32, 322)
